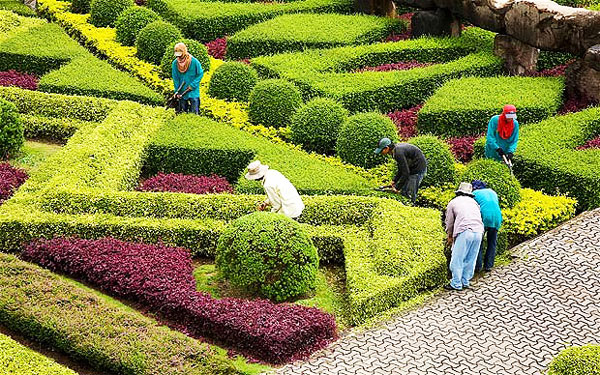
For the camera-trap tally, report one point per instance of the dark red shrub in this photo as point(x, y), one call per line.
point(556, 71)
point(161, 278)
point(217, 48)
point(462, 147)
point(141, 2)
point(181, 183)
point(592, 143)
point(575, 103)
point(393, 37)
point(10, 180)
point(402, 65)
point(22, 80)
point(406, 121)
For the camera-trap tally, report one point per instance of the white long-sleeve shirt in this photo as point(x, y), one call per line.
point(282, 195)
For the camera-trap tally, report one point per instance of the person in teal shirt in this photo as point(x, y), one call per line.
point(492, 220)
point(187, 69)
point(502, 134)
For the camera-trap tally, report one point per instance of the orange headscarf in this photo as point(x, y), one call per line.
point(506, 125)
point(183, 66)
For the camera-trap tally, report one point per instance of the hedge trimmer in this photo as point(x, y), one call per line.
point(173, 100)
point(508, 163)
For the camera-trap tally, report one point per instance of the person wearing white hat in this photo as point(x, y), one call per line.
point(281, 194)
point(465, 231)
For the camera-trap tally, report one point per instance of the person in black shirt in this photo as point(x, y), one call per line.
point(412, 166)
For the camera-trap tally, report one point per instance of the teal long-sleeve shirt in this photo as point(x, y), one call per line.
point(489, 207)
point(191, 77)
point(493, 140)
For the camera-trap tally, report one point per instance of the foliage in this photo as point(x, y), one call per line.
point(440, 162)
point(104, 13)
point(131, 22)
point(592, 143)
point(577, 360)
point(273, 102)
point(17, 7)
point(401, 65)
point(268, 254)
point(196, 49)
point(293, 32)
point(180, 183)
point(11, 129)
point(22, 80)
point(359, 137)
point(316, 125)
point(406, 121)
point(233, 81)
point(153, 40)
point(51, 129)
point(18, 359)
point(80, 6)
point(551, 59)
point(10, 180)
point(217, 48)
point(464, 107)
point(462, 147)
point(497, 177)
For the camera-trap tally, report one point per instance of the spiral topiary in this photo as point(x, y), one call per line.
point(233, 81)
point(153, 40)
point(131, 21)
point(497, 177)
point(195, 48)
point(316, 125)
point(269, 254)
point(273, 102)
point(104, 13)
point(440, 162)
point(359, 137)
point(11, 129)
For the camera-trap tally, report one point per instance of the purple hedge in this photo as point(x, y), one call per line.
point(161, 278)
point(462, 147)
point(181, 183)
point(22, 80)
point(592, 143)
point(10, 180)
point(406, 121)
point(401, 65)
point(217, 48)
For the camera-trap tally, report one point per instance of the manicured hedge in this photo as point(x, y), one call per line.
point(497, 176)
point(546, 158)
point(10, 180)
point(232, 81)
point(131, 21)
point(440, 162)
point(465, 106)
point(18, 359)
point(153, 40)
point(207, 21)
point(17, 7)
point(577, 360)
point(180, 183)
point(64, 315)
point(104, 13)
point(49, 128)
point(11, 129)
point(297, 32)
point(273, 102)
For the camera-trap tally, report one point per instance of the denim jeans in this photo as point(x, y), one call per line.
point(464, 256)
point(490, 252)
point(191, 105)
point(411, 186)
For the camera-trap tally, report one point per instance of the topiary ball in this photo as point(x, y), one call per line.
point(104, 13)
point(80, 6)
point(233, 81)
point(440, 162)
point(268, 254)
point(359, 136)
point(316, 125)
point(131, 21)
point(195, 48)
point(153, 40)
point(273, 102)
point(497, 177)
point(11, 129)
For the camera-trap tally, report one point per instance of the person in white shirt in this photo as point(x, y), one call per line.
point(281, 194)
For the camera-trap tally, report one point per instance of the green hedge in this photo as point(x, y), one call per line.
point(550, 59)
point(52, 129)
point(206, 21)
point(297, 32)
point(546, 158)
point(153, 39)
point(273, 102)
point(104, 13)
point(18, 359)
point(440, 161)
point(465, 106)
point(578, 360)
point(17, 7)
point(11, 129)
point(131, 21)
point(232, 81)
point(96, 329)
point(497, 176)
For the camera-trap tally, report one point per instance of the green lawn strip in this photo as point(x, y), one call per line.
point(464, 106)
point(296, 32)
point(33, 154)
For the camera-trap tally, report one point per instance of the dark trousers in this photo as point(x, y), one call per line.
point(191, 105)
point(411, 186)
point(490, 251)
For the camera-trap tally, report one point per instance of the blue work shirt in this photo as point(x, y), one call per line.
point(191, 77)
point(489, 207)
point(493, 140)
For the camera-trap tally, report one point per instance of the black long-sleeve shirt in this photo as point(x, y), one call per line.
point(410, 160)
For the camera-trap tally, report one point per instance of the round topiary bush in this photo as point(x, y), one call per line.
point(359, 136)
point(197, 49)
point(131, 21)
point(316, 125)
point(576, 360)
point(497, 177)
point(153, 40)
point(269, 254)
point(233, 81)
point(104, 13)
point(273, 102)
point(80, 6)
point(440, 162)
point(11, 129)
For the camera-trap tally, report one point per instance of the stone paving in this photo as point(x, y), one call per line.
point(513, 320)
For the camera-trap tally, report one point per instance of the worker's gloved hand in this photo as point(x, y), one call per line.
point(500, 151)
point(509, 156)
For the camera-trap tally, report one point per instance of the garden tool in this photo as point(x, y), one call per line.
point(173, 100)
point(508, 163)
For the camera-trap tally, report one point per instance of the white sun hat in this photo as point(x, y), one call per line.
point(256, 170)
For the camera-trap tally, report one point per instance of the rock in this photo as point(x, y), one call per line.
point(519, 58)
point(592, 57)
point(434, 23)
point(377, 7)
point(31, 3)
point(583, 81)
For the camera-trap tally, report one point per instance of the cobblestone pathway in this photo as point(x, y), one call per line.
point(512, 321)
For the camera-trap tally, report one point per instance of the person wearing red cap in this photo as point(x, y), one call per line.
point(502, 134)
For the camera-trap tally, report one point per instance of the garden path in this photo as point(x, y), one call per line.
point(513, 320)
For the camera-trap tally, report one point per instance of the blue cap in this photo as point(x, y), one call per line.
point(383, 143)
point(477, 184)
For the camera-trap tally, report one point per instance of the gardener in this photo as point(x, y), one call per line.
point(281, 194)
point(492, 219)
point(465, 230)
point(187, 69)
point(412, 166)
point(502, 134)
